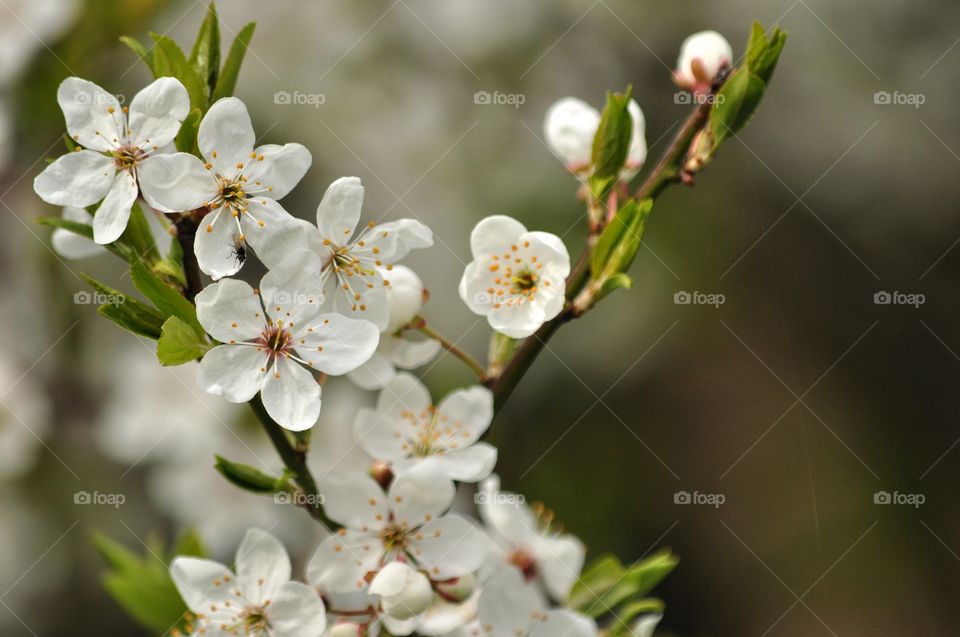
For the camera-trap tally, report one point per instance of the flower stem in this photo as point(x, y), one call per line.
point(669, 170)
point(295, 459)
point(186, 234)
point(420, 324)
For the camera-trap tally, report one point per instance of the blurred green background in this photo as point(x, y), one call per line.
point(798, 399)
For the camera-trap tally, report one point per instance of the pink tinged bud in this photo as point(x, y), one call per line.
point(404, 591)
point(702, 56)
point(382, 474)
point(457, 589)
point(346, 629)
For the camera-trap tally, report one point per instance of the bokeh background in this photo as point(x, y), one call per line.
point(797, 399)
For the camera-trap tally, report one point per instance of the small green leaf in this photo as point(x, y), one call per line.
point(179, 343)
point(187, 136)
point(168, 300)
point(227, 82)
point(247, 477)
point(621, 626)
point(139, 237)
point(736, 103)
point(126, 312)
point(596, 578)
point(143, 52)
point(616, 281)
point(611, 144)
point(607, 585)
point(763, 53)
point(205, 56)
point(620, 240)
point(169, 61)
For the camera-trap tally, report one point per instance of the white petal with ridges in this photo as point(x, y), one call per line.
point(93, 116)
point(78, 179)
point(335, 344)
point(277, 169)
point(339, 210)
point(177, 182)
point(291, 395)
point(230, 310)
point(262, 564)
point(110, 219)
point(225, 136)
point(156, 112)
point(236, 372)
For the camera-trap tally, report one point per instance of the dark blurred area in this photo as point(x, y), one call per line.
point(807, 413)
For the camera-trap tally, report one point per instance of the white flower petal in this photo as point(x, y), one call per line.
point(225, 136)
point(354, 500)
point(508, 606)
point(372, 304)
point(339, 211)
point(375, 433)
point(409, 354)
point(177, 182)
point(637, 153)
point(404, 296)
point(297, 612)
point(565, 622)
point(71, 245)
point(517, 321)
point(472, 464)
point(230, 310)
point(570, 127)
point(201, 582)
point(235, 372)
point(645, 626)
point(335, 344)
point(711, 50)
point(216, 244)
point(156, 112)
point(421, 495)
point(93, 116)
point(110, 219)
point(78, 179)
point(560, 560)
point(375, 373)
point(291, 291)
point(508, 520)
point(389, 242)
point(277, 169)
point(291, 395)
point(263, 565)
point(449, 547)
point(468, 411)
point(342, 561)
point(271, 231)
point(495, 235)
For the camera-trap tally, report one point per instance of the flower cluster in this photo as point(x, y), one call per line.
point(335, 300)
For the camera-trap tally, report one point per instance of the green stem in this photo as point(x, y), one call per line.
point(668, 170)
point(420, 324)
point(295, 459)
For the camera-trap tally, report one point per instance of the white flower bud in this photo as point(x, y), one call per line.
point(404, 295)
point(702, 55)
point(457, 589)
point(570, 126)
point(404, 592)
point(345, 629)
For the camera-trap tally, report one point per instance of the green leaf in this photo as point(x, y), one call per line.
point(613, 282)
point(190, 544)
point(247, 477)
point(205, 56)
point(169, 61)
point(187, 136)
point(179, 343)
point(168, 300)
point(596, 578)
point(620, 240)
point(612, 141)
point(621, 626)
point(143, 52)
point(126, 312)
point(762, 52)
point(736, 103)
point(607, 585)
point(231, 67)
point(141, 585)
point(139, 237)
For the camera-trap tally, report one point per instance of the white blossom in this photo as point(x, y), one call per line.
point(542, 555)
point(406, 524)
point(517, 279)
point(271, 337)
point(119, 145)
point(510, 608)
point(259, 600)
point(396, 350)
point(570, 126)
point(406, 430)
point(237, 187)
point(404, 591)
point(702, 56)
point(357, 266)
